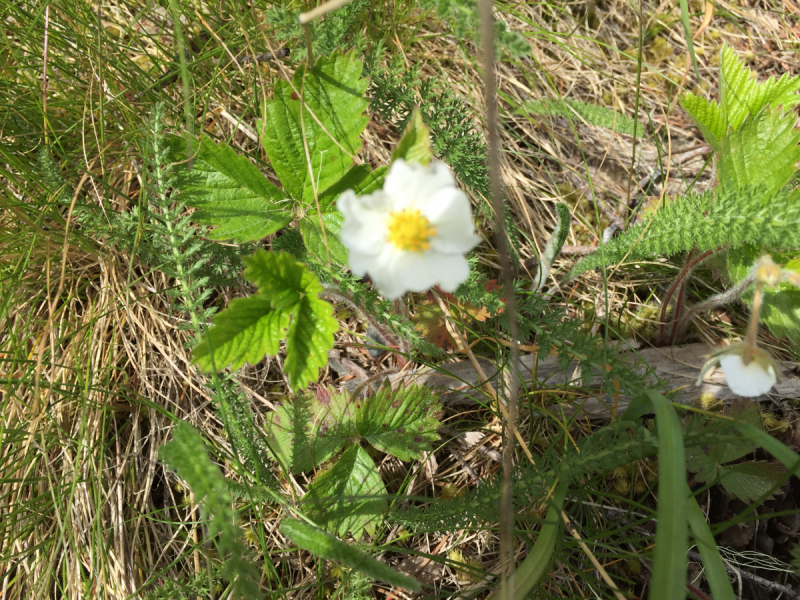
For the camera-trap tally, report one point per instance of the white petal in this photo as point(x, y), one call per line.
point(366, 223)
point(450, 214)
point(746, 380)
point(361, 264)
point(396, 272)
point(411, 185)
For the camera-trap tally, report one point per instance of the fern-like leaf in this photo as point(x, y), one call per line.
point(762, 152)
point(705, 222)
point(599, 116)
point(742, 94)
point(187, 454)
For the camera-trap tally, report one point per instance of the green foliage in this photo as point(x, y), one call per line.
point(455, 138)
point(328, 547)
point(341, 28)
point(310, 430)
point(415, 145)
point(672, 531)
point(711, 463)
point(593, 114)
point(716, 574)
point(230, 192)
point(762, 152)
point(287, 306)
point(350, 496)
point(462, 17)
point(554, 244)
point(307, 431)
point(753, 207)
point(609, 448)
point(329, 125)
point(705, 222)
point(741, 95)
point(187, 455)
point(311, 150)
point(536, 565)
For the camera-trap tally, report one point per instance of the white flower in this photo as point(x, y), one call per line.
point(749, 370)
point(412, 234)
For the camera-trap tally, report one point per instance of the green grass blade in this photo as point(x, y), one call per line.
point(687, 31)
point(669, 561)
point(536, 565)
point(716, 574)
point(321, 544)
point(780, 451)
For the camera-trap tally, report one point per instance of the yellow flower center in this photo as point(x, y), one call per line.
point(410, 231)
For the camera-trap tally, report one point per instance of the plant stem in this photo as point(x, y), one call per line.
point(752, 328)
point(496, 192)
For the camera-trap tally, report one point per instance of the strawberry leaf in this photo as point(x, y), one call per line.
point(230, 192)
point(287, 306)
point(350, 496)
point(402, 422)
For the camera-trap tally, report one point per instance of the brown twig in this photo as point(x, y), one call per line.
point(493, 139)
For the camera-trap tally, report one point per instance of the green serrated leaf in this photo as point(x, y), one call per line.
point(415, 145)
point(751, 480)
point(314, 240)
point(350, 496)
point(332, 120)
point(309, 430)
point(707, 461)
point(780, 311)
point(709, 118)
point(244, 332)
point(762, 152)
point(287, 306)
point(328, 547)
point(350, 181)
point(230, 192)
point(743, 95)
point(310, 337)
point(402, 422)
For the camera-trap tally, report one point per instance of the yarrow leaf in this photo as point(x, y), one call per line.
point(328, 547)
point(187, 454)
point(230, 191)
point(705, 222)
point(287, 306)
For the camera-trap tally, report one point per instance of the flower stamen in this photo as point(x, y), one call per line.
point(410, 231)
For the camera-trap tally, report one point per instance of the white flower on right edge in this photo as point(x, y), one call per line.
point(749, 370)
point(413, 233)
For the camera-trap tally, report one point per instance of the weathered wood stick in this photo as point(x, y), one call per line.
point(675, 368)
